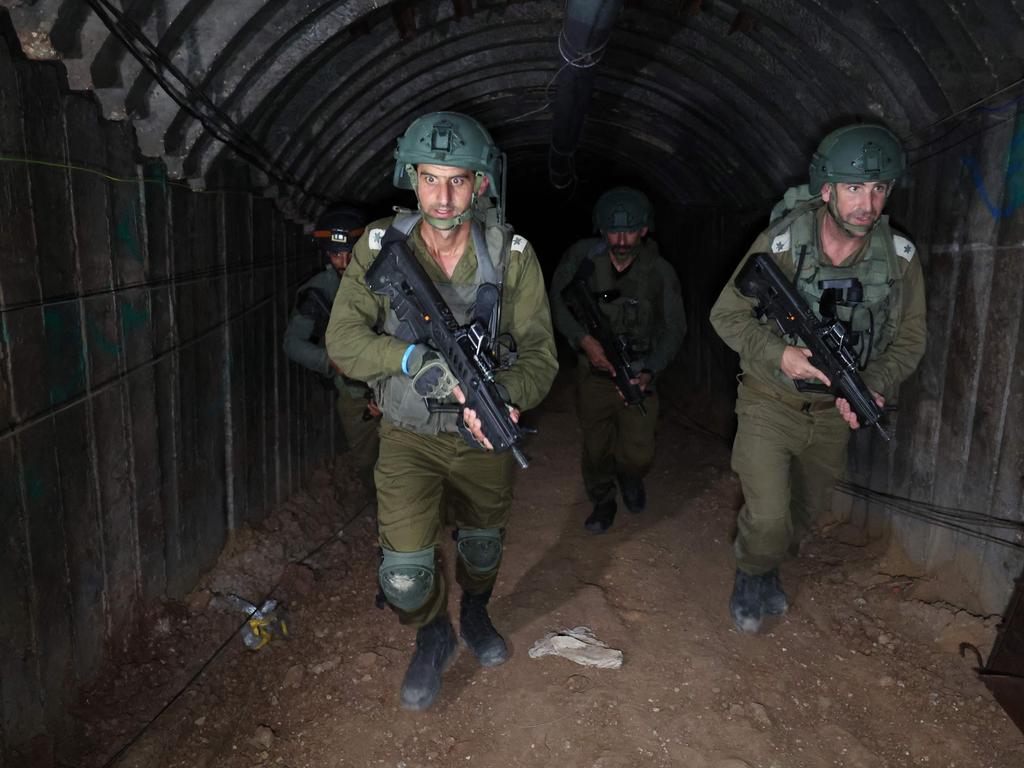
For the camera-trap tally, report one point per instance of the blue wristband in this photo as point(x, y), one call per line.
point(405, 359)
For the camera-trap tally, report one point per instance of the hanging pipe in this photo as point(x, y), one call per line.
point(581, 43)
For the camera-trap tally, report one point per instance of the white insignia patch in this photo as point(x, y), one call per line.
point(904, 247)
point(781, 242)
point(339, 237)
point(519, 243)
point(376, 239)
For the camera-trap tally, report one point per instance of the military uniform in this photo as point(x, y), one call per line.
point(790, 447)
point(304, 344)
point(426, 470)
point(644, 304)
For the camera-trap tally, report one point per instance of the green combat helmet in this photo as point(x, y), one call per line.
point(856, 154)
point(623, 209)
point(452, 139)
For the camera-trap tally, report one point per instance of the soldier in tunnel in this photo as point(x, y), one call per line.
point(436, 465)
point(637, 293)
point(336, 231)
point(832, 240)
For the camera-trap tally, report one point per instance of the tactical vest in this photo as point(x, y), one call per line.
point(875, 319)
point(624, 300)
point(399, 402)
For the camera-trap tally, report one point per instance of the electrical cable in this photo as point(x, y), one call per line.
point(234, 633)
point(945, 517)
point(179, 278)
point(193, 100)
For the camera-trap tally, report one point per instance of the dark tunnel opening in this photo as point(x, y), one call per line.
point(153, 234)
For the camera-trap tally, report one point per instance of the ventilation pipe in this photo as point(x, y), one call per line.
point(581, 43)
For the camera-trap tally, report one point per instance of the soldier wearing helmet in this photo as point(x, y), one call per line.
point(436, 465)
point(849, 264)
point(336, 231)
point(638, 293)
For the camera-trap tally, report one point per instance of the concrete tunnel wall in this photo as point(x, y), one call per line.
point(146, 410)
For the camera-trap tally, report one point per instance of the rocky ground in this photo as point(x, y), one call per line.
point(858, 674)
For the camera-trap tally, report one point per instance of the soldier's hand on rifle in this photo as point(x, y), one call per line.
point(430, 374)
point(849, 415)
point(475, 425)
point(372, 408)
point(595, 354)
point(642, 380)
point(795, 365)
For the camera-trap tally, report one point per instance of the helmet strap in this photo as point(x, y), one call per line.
point(851, 230)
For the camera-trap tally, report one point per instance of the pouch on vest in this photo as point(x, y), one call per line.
point(477, 301)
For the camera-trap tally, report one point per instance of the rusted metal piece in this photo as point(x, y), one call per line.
point(1004, 672)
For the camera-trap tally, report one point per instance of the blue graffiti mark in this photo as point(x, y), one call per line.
point(100, 339)
point(132, 319)
point(1014, 179)
point(126, 233)
point(35, 487)
point(65, 356)
point(1005, 107)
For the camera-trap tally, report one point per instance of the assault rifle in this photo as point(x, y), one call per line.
point(426, 318)
point(779, 300)
point(616, 348)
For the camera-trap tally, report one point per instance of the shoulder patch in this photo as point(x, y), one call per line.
point(376, 239)
point(904, 248)
point(781, 242)
point(519, 243)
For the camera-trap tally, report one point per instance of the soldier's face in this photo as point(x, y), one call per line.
point(445, 192)
point(859, 204)
point(624, 243)
point(340, 259)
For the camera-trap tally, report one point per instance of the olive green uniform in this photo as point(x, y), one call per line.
point(426, 469)
point(304, 344)
point(646, 307)
point(790, 446)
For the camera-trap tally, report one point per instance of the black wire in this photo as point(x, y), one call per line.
point(234, 633)
point(193, 100)
point(174, 280)
point(944, 517)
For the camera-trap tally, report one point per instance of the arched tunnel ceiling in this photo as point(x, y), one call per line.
point(710, 102)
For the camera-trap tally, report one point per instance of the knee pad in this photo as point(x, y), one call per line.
point(479, 549)
point(407, 578)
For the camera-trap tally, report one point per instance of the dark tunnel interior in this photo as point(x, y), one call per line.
point(162, 164)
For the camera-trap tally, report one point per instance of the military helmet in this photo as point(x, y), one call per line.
point(857, 153)
point(448, 138)
point(338, 228)
point(623, 209)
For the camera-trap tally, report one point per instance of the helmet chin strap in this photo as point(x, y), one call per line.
point(445, 224)
point(853, 230)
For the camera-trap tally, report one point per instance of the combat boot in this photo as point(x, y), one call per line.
point(775, 602)
point(477, 631)
point(601, 518)
point(747, 603)
point(436, 645)
point(634, 496)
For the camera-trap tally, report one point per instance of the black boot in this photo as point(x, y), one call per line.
point(477, 631)
point(601, 518)
point(633, 493)
point(775, 602)
point(747, 603)
point(435, 649)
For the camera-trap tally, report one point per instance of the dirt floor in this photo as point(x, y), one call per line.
point(859, 673)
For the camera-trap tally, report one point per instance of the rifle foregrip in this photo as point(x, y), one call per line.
point(415, 300)
point(779, 300)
